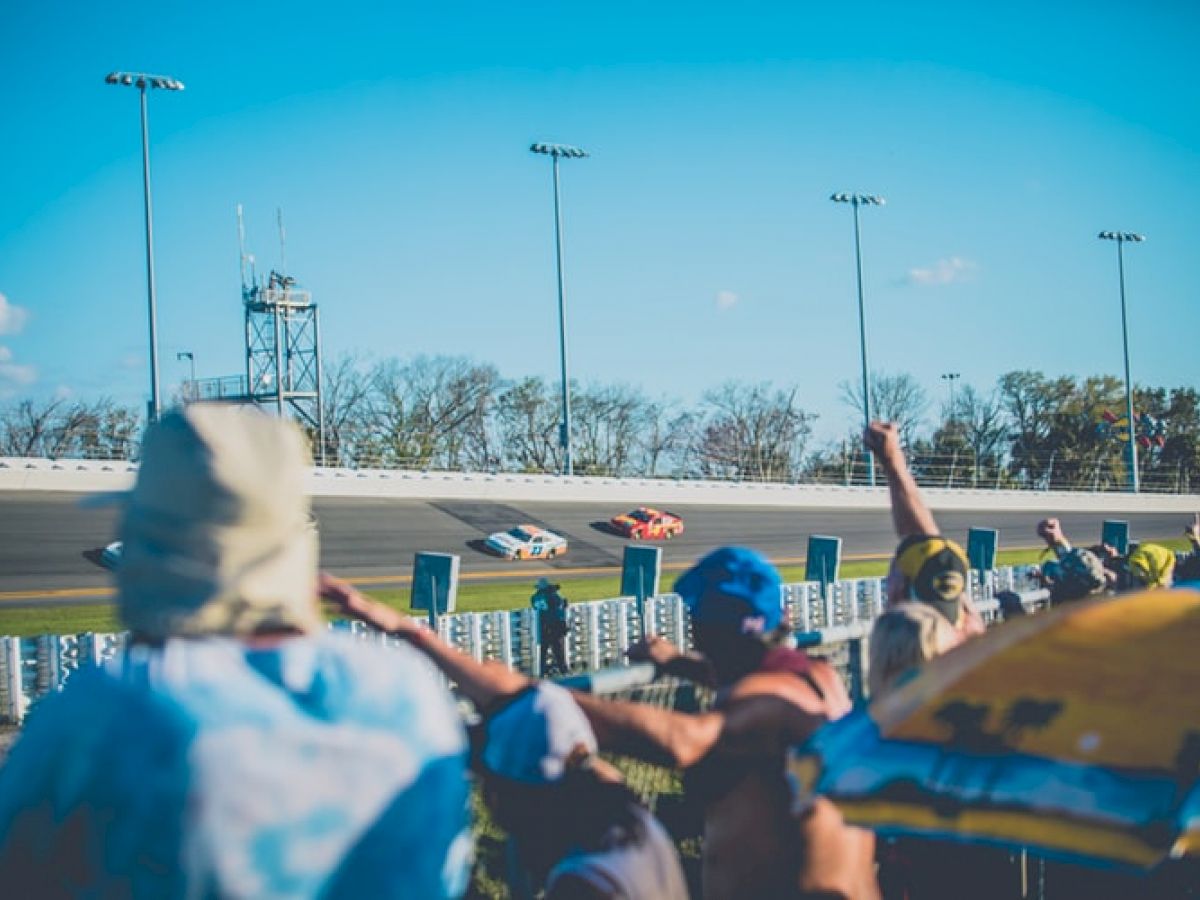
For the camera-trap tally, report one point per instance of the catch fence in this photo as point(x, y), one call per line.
point(1100, 475)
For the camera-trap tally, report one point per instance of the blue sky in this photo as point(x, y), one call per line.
point(701, 244)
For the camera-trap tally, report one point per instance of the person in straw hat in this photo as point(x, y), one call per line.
point(235, 747)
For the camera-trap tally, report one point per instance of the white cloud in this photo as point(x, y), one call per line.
point(13, 373)
point(727, 299)
point(944, 271)
point(12, 317)
point(132, 361)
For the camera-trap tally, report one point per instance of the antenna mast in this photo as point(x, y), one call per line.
point(282, 241)
point(242, 246)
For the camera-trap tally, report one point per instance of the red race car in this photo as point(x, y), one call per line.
point(645, 523)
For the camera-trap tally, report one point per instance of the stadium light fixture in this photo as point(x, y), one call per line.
point(191, 358)
point(857, 200)
point(951, 377)
point(1122, 238)
point(557, 152)
point(144, 82)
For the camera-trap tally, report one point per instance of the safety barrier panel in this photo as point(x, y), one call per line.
point(600, 634)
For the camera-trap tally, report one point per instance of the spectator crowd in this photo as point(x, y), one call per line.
point(237, 748)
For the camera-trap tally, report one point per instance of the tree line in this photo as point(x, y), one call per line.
point(1028, 430)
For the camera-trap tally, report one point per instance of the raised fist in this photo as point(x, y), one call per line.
point(1050, 530)
point(883, 439)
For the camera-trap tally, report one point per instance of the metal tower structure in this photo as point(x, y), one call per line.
point(283, 344)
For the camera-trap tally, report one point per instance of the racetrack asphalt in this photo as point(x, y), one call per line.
point(48, 541)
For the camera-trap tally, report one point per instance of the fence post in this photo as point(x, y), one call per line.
point(806, 599)
point(876, 593)
point(475, 631)
point(530, 619)
point(650, 617)
point(593, 636)
point(12, 692)
point(503, 623)
point(620, 608)
point(859, 664)
point(681, 637)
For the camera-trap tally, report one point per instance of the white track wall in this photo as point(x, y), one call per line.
point(88, 476)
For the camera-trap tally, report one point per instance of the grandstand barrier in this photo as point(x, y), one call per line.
point(40, 474)
point(834, 621)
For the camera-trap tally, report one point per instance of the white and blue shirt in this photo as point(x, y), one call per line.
point(210, 768)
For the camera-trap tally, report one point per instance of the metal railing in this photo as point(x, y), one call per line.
point(600, 634)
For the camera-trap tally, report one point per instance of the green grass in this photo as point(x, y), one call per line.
point(472, 597)
point(489, 597)
point(26, 622)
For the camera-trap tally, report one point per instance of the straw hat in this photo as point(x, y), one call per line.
point(216, 534)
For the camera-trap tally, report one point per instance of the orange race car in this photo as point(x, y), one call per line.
point(645, 523)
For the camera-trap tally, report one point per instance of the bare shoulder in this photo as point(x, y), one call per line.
point(769, 709)
point(837, 698)
point(823, 693)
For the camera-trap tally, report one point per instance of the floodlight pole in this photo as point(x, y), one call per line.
point(856, 200)
point(142, 81)
point(951, 377)
point(191, 358)
point(555, 152)
point(1121, 237)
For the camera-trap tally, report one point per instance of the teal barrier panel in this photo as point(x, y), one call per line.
point(824, 560)
point(435, 584)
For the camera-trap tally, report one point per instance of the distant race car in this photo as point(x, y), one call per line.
point(527, 542)
point(645, 523)
point(110, 556)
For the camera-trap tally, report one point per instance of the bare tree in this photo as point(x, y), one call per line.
point(421, 412)
point(25, 427)
point(751, 432)
point(527, 417)
point(894, 398)
point(60, 429)
point(606, 421)
point(664, 437)
point(345, 396)
point(110, 431)
point(983, 425)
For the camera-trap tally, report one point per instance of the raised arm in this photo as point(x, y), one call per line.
point(669, 660)
point(482, 682)
point(649, 733)
point(910, 515)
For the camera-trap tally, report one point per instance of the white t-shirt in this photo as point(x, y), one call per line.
point(647, 869)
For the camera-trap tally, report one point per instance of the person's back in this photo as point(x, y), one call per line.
point(755, 844)
point(234, 748)
point(313, 767)
point(769, 696)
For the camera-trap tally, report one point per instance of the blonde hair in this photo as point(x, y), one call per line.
point(903, 638)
